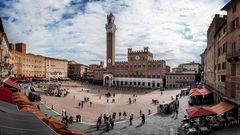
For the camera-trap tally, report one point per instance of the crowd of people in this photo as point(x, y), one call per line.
point(108, 121)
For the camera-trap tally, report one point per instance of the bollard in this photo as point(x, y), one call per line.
point(52, 107)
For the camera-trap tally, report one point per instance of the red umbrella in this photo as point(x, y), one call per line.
point(204, 91)
point(5, 94)
point(200, 112)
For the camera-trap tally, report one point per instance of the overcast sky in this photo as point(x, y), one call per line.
point(174, 30)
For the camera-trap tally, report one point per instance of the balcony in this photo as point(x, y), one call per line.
point(233, 56)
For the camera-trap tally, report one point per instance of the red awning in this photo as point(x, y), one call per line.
point(38, 79)
point(23, 79)
point(200, 112)
point(204, 91)
point(194, 92)
point(223, 107)
point(10, 83)
point(5, 94)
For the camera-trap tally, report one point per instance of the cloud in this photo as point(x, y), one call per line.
point(74, 29)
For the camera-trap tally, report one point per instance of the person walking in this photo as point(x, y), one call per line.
point(130, 119)
point(114, 115)
point(119, 114)
point(105, 117)
point(111, 121)
point(124, 115)
point(176, 113)
point(99, 122)
point(140, 112)
point(143, 119)
point(107, 125)
point(79, 104)
point(90, 103)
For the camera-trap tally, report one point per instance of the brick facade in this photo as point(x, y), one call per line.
point(222, 56)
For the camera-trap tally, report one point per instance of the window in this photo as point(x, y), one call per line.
point(149, 84)
point(219, 51)
point(235, 23)
point(219, 66)
point(233, 69)
point(134, 83)
point(224, 65)
point(125, 83)
point(233, 46)
point(223, 78)
point(233, 90)
point(143, 83)
point(224, 49)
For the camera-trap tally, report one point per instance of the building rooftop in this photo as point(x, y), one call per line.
point(230, 4)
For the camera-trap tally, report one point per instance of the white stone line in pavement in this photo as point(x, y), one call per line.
point(50, 108)
point(119, 122)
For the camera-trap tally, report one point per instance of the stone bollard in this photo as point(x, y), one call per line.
point(45, 102)
point(149, 111)
point(52, 107)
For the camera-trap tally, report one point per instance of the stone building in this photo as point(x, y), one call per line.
point(95, 73)
point(5, 67)
point(179, 80)
point(188, 67)
point(56, 68)
point(140, 70)
point(76, 71)
point(222, 56)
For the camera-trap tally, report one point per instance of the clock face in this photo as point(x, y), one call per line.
point(137, 57)
point(109, 60)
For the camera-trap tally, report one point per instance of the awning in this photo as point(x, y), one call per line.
point(200, 112)
point(64, 79)
point(7, 107)
point(22, 79)
point(223, 107)
point(11, 84)
point(5, 94)
point(204, 91)
point(38, 79)
point(194, 92)
point(23, 123)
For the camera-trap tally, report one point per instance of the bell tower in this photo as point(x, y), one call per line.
point(110, 29)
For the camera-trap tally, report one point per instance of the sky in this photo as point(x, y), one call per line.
point(174, 30)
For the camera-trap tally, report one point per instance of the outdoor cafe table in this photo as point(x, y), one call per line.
point(192, 131)
point(204, 129)
point(230, 119)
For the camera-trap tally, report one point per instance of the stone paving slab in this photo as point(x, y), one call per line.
point(155, 124)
